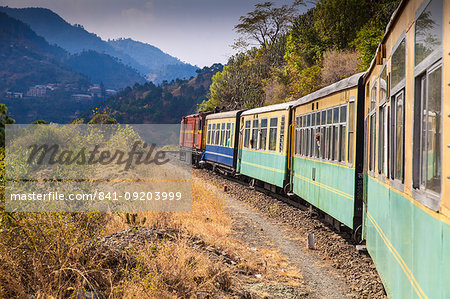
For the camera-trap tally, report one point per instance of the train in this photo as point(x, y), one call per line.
point(372, 151)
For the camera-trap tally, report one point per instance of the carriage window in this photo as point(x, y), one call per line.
point(428, 31)
point(334, 145)
point(329, 141)
point(247, 133)
point(228, 135)
point(382, 139)
point(383, 123)
point(222, 135)
point(372, 142)
point(324, 117)
point(213, 134)
point(398, 66)
point(329, 116)
point(383, 85)
point(335, 115)
point(273, 134)
point(209, 134)
point(351, 125)
point(263, 134)
point(232, 135)
point(342, 133)
point(281, 134)
point(312, 142)
point(323, 138)
point(428, 132)
point(255, 129)
point(217, 134)
point(372, 123)
point(342, 136)
point(397, 154)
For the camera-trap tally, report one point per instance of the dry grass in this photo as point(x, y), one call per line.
point(51, 255)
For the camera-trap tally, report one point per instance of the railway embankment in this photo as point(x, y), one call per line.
point(334, 269)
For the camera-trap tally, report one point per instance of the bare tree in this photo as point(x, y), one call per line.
point(266, 22)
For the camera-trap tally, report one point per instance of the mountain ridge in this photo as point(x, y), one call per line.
point(75, 39)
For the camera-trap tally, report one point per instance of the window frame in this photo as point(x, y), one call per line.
point(228, 134)
point(434, 56)
point(373, 128)
point(208, 138)
point(401, 84)
point(425, 196)
point(255, 144)
point(383, 128)
point(222, 134)
point(352, 132)
point(270, 127)
point(394, 181)
point(333, 146)
point(261, 133)
point(247, 133)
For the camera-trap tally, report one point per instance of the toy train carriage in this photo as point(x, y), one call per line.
point(191, 136)
point(263, 147)
point(222, 139)
point(324, 171)
point(407, 216)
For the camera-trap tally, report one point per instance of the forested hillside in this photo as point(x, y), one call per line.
point(148, 60)
point(284, 55)
point(102, 68)
point(166, 103)
point(27, 59)
point(159, 66)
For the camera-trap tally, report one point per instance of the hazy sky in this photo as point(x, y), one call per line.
point(196, 31)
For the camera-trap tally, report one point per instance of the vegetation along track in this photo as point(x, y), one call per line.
point(337, 249)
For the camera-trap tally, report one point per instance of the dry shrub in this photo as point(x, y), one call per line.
point(59, 255)
point(47, 254)
point(208, 219)
point(276, 92)
point(174, 269)
point(338, 65)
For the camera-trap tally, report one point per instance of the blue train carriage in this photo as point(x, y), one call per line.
point(221, 138)
point(263, 145)
point(327, 150)
point(407, 211)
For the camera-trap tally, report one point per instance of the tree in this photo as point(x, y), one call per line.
point(337, 21)
point(103, 119)
point(4, 120)
point(266, 23)
point(243, 81)
point(304, 48)
point(370, 35)
point(40, 122)
point(338, 65)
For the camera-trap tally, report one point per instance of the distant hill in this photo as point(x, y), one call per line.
point(148, 103)
point(148, 60)
point(102, 68)
point(160, 66)
point(73, 38)
point(27, 59)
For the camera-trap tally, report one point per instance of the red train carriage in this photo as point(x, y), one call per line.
point(192, 141)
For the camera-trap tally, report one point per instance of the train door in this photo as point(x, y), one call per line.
point(242, 131)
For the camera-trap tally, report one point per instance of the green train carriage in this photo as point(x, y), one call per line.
point(263, 146)
point(407, 157)
point(327, 159)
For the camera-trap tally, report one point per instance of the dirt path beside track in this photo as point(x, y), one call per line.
point(333, 270)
